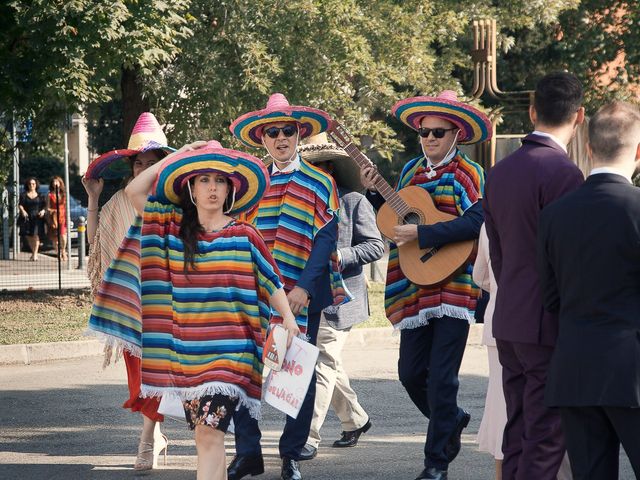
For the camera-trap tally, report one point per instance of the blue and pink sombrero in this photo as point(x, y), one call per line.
point(146, 135)
point(247, 173)
point(248, 127)
point(474, 125)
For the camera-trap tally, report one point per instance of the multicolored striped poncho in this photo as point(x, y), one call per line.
point(116, 314)
point(296, 207)
point(203, 330)
point(455, 187)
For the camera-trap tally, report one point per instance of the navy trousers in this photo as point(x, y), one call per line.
point(594, 435)
point(430, 358)
point(296, 431)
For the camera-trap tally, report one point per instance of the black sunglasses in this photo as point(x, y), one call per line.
point(437, 132)
point(288, 130)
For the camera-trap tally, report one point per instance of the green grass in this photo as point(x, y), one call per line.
point(59, 316)
point(37, 316)
point(376, 305)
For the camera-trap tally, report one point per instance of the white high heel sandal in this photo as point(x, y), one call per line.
point(148, 454)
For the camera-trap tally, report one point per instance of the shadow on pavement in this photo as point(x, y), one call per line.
point(81, 433)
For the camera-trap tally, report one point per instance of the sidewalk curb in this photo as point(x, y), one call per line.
point(362, 337)
point(26, 354)
point(45, 352)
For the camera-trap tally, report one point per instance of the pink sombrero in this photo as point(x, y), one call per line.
point(146, 135)
point(247, 173)
point(248, 127)
point(474, 125)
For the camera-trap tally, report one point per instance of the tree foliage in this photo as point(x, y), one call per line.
point(599, 42)
point(59, 56)
point(66, 53)
point(354, 58)
point(199, 64)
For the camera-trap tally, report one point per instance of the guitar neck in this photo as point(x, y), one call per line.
point(398, 205)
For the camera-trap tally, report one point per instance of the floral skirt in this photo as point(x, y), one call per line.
point(214, 411)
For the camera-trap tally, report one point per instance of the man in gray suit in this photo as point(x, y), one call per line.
point(359, 243)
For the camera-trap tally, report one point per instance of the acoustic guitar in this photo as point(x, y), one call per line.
point(411, 205)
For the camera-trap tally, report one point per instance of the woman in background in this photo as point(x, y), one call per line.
point(57, 216)
point(105, 233)
point(495, 409)
point(32, 207)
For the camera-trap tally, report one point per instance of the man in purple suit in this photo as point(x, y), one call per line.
point(517, 189)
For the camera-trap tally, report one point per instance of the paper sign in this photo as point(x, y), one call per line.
point(286, 389)
point(275, 348)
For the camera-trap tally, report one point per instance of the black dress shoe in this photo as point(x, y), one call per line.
point(452, 449)
point(350, 439)
point(308, 452)
point(243, 465)
point(432, 473)
point(290, 470)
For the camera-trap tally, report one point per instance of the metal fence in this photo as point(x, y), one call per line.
point(18, 271)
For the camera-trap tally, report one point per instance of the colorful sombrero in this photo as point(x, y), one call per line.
point(248, 127)
point(346, 172)
point(146, 135)
point(247, 173)
point(474, 125)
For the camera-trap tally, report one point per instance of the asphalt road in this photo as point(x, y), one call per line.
point(62, 420)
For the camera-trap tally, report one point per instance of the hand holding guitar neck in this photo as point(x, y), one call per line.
point(368, 176)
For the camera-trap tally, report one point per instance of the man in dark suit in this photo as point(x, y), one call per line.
point(589, 260)
point(517, 189)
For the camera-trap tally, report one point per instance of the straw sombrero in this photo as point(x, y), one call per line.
point(474, 125)
point(346, 172)
point(146, 135)
point(247, 173)
point(248, 127)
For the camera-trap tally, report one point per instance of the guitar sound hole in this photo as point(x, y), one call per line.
point(412, 219)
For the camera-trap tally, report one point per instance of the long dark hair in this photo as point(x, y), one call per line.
point(28, 181)
point(190, 227)
point(61, 190)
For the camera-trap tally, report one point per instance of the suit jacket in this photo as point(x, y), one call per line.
point(589, 260)
point(315, 277)
point(517, 189)
point(359, 243)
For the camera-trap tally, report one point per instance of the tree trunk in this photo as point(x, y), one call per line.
point(133, 101)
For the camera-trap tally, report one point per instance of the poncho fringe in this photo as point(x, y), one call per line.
point(212, 388)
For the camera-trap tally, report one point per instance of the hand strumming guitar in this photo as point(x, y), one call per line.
point(404, 234)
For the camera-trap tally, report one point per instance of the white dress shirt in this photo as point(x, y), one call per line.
point(611, 170)
point(290, 167)
point(552, 137)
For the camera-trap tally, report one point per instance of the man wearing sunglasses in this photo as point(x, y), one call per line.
point(434, 320)
point(298, 219)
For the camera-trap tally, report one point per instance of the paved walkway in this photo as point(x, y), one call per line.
point(61, 420)
point(21, 274)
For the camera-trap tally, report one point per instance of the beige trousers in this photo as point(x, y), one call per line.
point(332, 385)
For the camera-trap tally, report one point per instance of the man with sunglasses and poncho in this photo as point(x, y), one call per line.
point(298, 218)
point(434, 320)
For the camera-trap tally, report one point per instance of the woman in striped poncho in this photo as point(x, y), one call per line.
point(106, 232)
point(207, 282)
